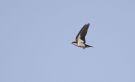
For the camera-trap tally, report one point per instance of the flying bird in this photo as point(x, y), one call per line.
point(80, 38)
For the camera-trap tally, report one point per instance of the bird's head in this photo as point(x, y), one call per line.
point(74, 43)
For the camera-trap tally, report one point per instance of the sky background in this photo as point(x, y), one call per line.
point(36, 36)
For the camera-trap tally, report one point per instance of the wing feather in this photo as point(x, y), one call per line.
point(82, 33)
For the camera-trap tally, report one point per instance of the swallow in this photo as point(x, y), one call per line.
point(80, 38)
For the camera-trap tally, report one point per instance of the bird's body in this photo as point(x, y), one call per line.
point(80, 43)
point(80, 38)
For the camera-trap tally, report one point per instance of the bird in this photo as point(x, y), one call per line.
point(80, 38)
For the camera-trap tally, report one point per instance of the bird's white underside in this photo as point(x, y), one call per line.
point(80, 42)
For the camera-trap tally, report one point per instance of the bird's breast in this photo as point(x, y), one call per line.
point(80, 43)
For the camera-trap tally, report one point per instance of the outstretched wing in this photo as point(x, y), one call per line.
point(83, 32)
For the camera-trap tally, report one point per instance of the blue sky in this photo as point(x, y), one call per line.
point(36, 36)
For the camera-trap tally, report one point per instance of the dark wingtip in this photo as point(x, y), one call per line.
point(87, 24)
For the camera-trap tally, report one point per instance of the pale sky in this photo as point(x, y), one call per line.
point(36, 36)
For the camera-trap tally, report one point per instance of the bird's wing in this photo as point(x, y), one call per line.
point(82, 33)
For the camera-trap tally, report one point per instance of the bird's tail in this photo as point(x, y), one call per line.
point(88, 45)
